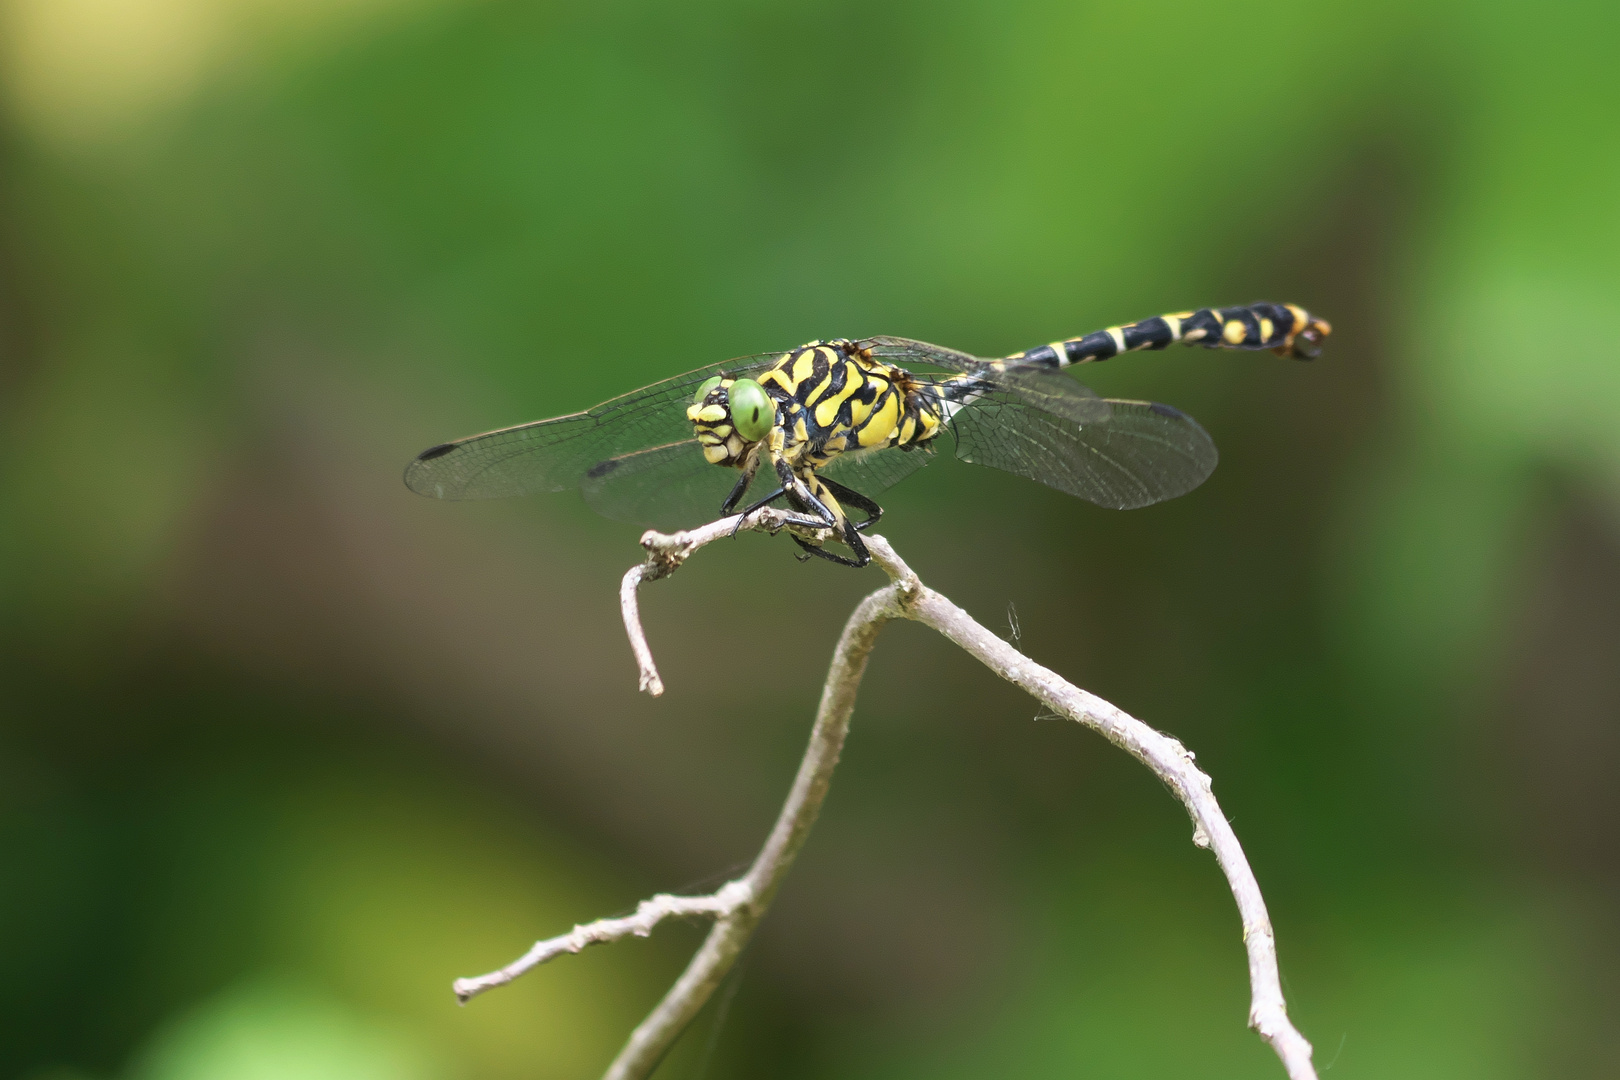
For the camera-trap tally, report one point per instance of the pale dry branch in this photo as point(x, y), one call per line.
point(665, 554)
point(648, 914)
point(1170, 761)
point(739, 905)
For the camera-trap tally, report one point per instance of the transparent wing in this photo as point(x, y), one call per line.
point(667, 487)
point(1141, 453)
point(554, 455)
point(1050, 391)
point(872, 472)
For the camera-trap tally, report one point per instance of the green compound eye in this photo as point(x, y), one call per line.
point(703, 391)
point(751, 410)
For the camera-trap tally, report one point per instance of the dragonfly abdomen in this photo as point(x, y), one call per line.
point(1287, 329)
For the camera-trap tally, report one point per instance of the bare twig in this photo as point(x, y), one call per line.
point(1170, 762)
point(738, 906)
point(665, 554)
point(648, 914)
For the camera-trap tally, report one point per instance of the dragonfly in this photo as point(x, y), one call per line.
point(829, 425)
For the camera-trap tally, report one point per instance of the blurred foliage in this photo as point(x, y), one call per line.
point(286, 749)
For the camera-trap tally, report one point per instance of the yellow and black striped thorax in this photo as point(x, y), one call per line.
point(833, 397)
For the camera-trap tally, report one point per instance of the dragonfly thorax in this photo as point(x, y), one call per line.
point(835, 398)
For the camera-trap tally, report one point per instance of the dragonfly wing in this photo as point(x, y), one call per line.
point(1047, 389)
point(555, 455)
point(1140, 454)
point(903, 350)
point(667, 487)
point(872, 472)
point(522, 460)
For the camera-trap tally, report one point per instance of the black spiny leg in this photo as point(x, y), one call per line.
point(741, 486)
point(852, 540)
point(852, 535)
point(854, 498)
point(766, 501)
point(805, 501)
point(823, 553)
point(742, 516)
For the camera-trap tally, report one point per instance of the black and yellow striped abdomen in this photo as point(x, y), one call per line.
point(1286, 329)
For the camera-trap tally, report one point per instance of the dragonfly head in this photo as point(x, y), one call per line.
point(730, 416)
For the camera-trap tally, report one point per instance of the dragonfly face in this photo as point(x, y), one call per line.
point(829, 424)
point(730, 417)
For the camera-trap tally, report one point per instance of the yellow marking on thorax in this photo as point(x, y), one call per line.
point(908, 428)
point(814, 395)
point(803, 368)
point(879, 380)
point(859, 411)
point(799, 432)
point(880, 426)
point(827, 411)
point(778, 377)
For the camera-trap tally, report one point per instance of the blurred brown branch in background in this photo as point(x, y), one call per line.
point(739, 905)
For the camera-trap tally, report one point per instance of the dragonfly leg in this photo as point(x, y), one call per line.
point(856, 544)
point(766, 501)
point(800, 495)
point(736, 494)
point(811, 521)
point(854, 498)
point(741, 487)
point(847, 533)
point(806, 501)
point(863, 556)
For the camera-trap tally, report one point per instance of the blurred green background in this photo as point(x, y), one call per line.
point(286, 748)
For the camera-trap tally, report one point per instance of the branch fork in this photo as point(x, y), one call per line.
point(738, 906)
